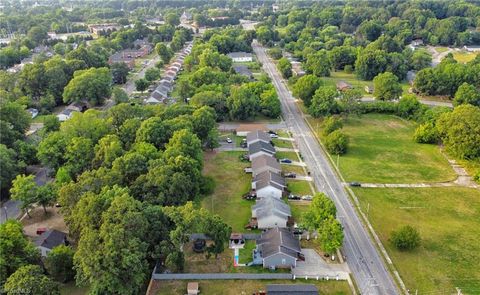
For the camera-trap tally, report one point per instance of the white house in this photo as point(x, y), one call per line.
point(271, 212)
point(49, 240)
point(267, 189)
point(241, 56)
point(33, 112)
point(65, 115)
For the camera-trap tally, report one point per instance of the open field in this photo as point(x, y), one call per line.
point(239, 287)
point(231, 183)
point(349, 78)
point(464, 56)
point(448, 220)
point(382, 150)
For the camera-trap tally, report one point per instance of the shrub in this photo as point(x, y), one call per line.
point(275, 53)
point(331, 124)
point(382, 107)
point(406, 238)
point(348, 69)
point(408, 106)
point(336, 143)
point(426, 133)
point(476, 177)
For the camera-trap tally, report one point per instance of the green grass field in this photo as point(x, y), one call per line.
point(289, 155)
point(245, 254)
point(448, 220)
point(349, 78)
point(238, 287)
point(382, 150)
point(299, 187)
point(231, 183)
point(464, 56)
point(282, 143)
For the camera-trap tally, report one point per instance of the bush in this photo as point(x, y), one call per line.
point(382, 107)
point(348, 69)
point(476, 177)
point(408, 106)
point(207, 186)
point(152, 74)
point(406, 238)
point(275, 53)
point(59, 263)
point(119, 95)
point(331, 124)
point(426, 133)
point(336, 143)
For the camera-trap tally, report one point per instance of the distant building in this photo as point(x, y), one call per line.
point(65, 115)
point(33, 112)
point(102, 29)
point(49, 240)
point(297, 68)
point(243, 70)
point(120, 57)
point(343, 86)
point(186, 17)
point(241, 56)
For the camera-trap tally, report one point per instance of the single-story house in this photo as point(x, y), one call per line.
point(271, 212)
point(269, 176)
point(260, 148)
point(65, 115)
point(49, 240)
point(264, 163)
point(33, 112)
point(292, 289)
point(240, 56)
point(343, 86)
point(120, 57)
point(268, 189)
point(243, 70)
point(278, 248)
point(256, 136)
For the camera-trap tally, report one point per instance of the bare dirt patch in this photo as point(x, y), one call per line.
point(52, 220)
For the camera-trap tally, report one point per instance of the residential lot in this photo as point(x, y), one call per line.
point(237, 287)
point(448, 220)
point(382, 150)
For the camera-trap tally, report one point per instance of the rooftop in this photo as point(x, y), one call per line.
point(265, 160)
point(260, 146)
point(51, 238)
point(258, 135)
point(279, 240)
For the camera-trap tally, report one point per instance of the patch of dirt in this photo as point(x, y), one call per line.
point(198, 262)
point(52, 220)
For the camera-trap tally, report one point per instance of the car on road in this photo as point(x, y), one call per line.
point(285, 160)
point(293, 197)
point(307, 198)
point(355, 184)
point(229, 140)
point(290, 175)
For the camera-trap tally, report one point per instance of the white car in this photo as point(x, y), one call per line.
point(229, 140)
point(273, 135)
point(307, 198)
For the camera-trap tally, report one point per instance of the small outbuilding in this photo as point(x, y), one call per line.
point(343, 86)
point(192, 288)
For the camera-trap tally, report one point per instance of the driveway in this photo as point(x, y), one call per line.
point(315, 266)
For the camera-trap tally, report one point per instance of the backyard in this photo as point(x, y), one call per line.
point(448, 255)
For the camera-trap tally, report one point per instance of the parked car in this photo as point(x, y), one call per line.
point(273, 135)
point(307, 198)
point(355, 184)
point(248, 170)
point(229, 140)
point(243, 144)
point(297, 231)
point(290, 175)
point(285, 160)
point(272, 132)
point(293, 197)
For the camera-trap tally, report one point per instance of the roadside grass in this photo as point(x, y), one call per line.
point(282, 143)
point(298, 208)
point(299, 187)
point(464, 56)
point(231, 182)
point(382, 150)
point(245, 254)
point(448, 220)
point(283, 133)
point(286, 155)
point(71, 289)
point(238, 287)
point(293, 168)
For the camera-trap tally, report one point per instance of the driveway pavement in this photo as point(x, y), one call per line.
point(315, 266)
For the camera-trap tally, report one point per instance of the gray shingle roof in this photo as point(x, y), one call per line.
point(243, 70)
point(51, 238)
point(271, 177)
point(292, 289)
point(271, 205)
point(257, 135)
point(279, 240)
point(260, 162)
point(260, 146)
point(239, 54)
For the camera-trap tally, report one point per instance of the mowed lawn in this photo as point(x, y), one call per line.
point(238, 287)
point(464, 56)
point(382, 150)
point(231, 183)
point(448, 220)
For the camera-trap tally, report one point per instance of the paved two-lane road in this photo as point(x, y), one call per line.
point(365, 263)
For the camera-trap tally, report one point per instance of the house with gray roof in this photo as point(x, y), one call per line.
point(258, 135)
point(49, 240)
point(260, 148)
point(264, 163)
point(278, 248)
point(271, 177)
point(292, 289)
point(270, 213)
point(243, 70)
point(269, 185)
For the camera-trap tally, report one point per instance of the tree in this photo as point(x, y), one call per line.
point(305, 88)
point(46, 196)
point(24, 189)
point(152, 74)
point(107, 150)
point(119, 72)
point(93, 85)
point(426, 133)
point(406, 238)
point(275, 53)
point(421, 59)
point(318, 64)
point(164, 52)
point(408, 106)
point(184, 143)
point(242, 102)
point(59, 263)
point(50, 124)
point(285, 67)
point(10, 167)
point(270, 104)
point(330, 235)
point(370, 63)
point(119, 95)
point(32, 80)
point(319, 210)
point(51, 150)
point(323, 102)
point(79, 154)
point(265, 35)
point(341, 56)
point(217, 230)
point(336, 143)
point(37, 34)
point(386, 87)
point(141, 85)
point(370, 30)
point(460, 131)
point(331, 124)
point(16, 249)
point(203, 120)
point(172, 19)
point(29, 279)
point(14, 121)
point(467, 93)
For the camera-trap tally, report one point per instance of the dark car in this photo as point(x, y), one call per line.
point(290, 175)
point(293, 197)
point(357, 184)
point(285, 161)
point(272, 132)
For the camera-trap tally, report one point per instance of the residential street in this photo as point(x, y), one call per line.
point(365, 263)
point(129, 87)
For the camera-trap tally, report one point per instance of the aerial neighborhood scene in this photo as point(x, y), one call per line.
point(239, 147)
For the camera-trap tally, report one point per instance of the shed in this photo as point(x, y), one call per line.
point(292, 289)
point(49, 240)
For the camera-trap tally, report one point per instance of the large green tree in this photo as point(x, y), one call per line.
point(92, 85)
point(330, 235)
point(29, 279)
point(59, 263)
point(323, 102)
point(285, 67)
point(467, 93)
point(386, 87)
point(318, 64)
point(305, 88)
point(24, 189)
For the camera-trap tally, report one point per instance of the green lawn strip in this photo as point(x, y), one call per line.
point(245, 255)
point(282, 143)
point(448, 220)
point(286, 155)
point(231, 183)
point(464, 57)
point(235, 287)
point(381, 150)
point(298, 208)
point(299, 187)
point(293, 168)
point(441, 49)
point(283, 133)
point(71, 289)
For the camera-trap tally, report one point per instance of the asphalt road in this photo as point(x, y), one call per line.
point(365, 263)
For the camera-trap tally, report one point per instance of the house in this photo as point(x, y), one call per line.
point(258, 135)
point(33, 112)
point(265, 187)
point(264, 163)
point(278, 248)
point(120, 57)
point(297, 68)
point(292, 289)
point(186, 17)
point(417, 42)
point(269, 176)
point(260, 148)
point(343, 86)
point(49, 240)
point(65, 115)
point(241, 56)
point(78, 106)
point(192, 288)
point(101, 29)
point(271, 212)
point(368, 89)
point(243, 70)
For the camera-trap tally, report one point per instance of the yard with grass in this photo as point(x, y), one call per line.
point(464, 56)
point(286, 155)
point(298, 208)
point(245, 255)
point(239, 287)
point(299, 187)
point(382, 150)
point(350, 78)
point(282, 143)
point(293, 168)
point(231, 183)
point(448, 220)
